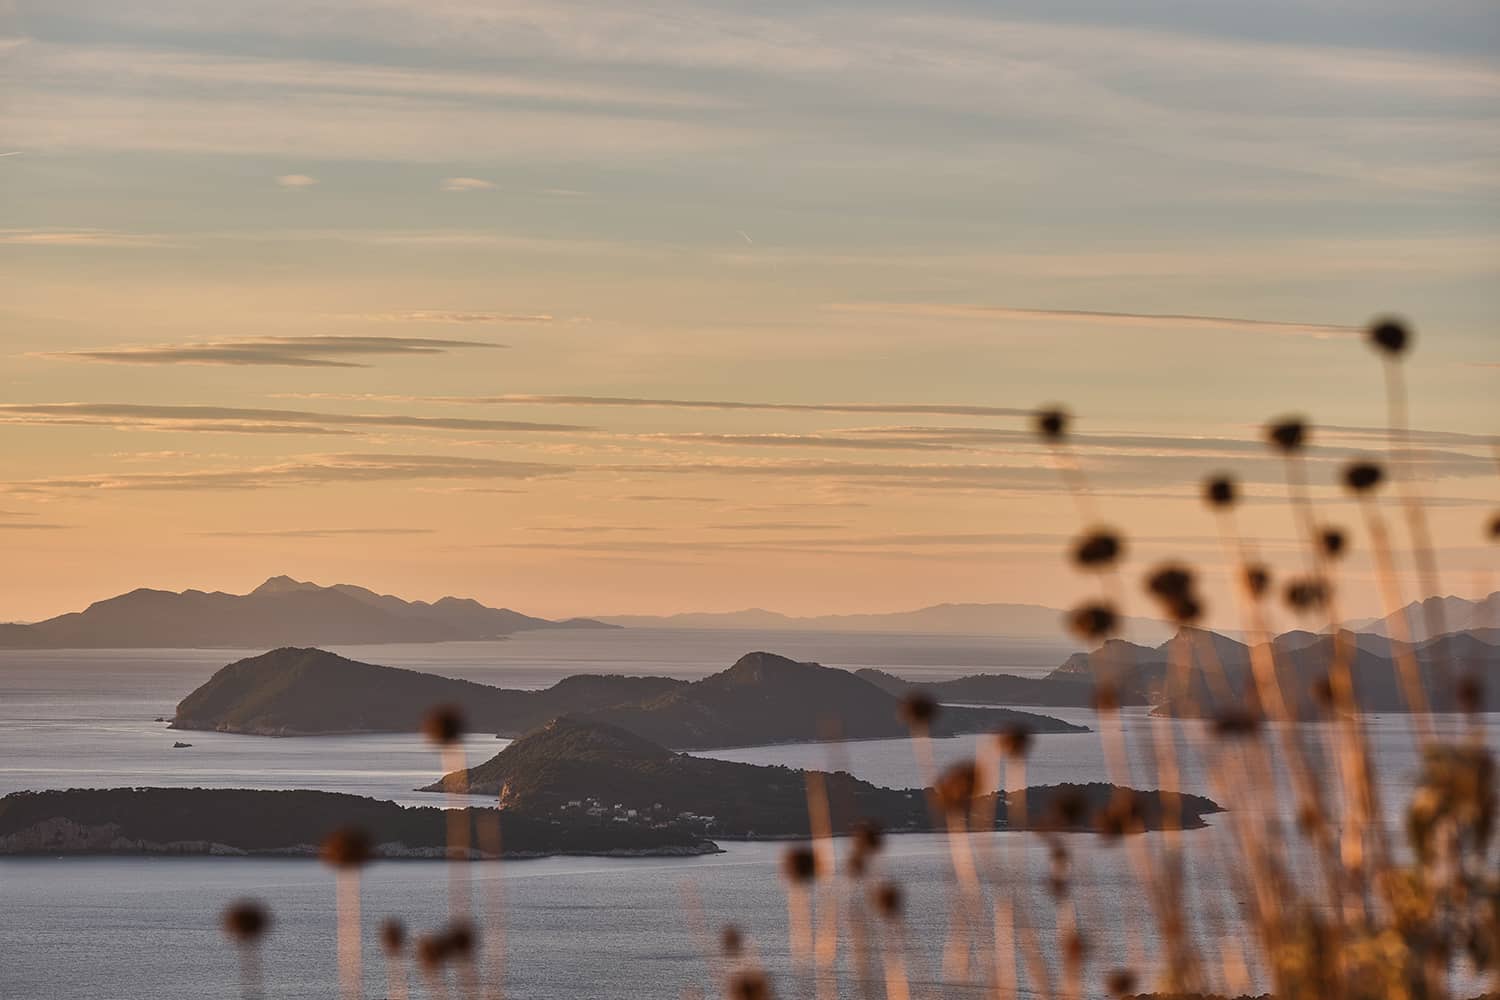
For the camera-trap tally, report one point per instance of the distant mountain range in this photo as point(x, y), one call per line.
point(761, 699)
point(279, 612)
point(1222, 677)
point(1450, 614)
point(1015, 621)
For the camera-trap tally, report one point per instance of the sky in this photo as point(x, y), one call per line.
point(589, 309)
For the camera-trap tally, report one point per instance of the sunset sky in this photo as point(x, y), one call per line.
point(589, 309)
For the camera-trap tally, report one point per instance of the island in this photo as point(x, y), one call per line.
point(763, 698)
point(312, 692)
point(570, 787)
point(281, 611)
point(234, 822)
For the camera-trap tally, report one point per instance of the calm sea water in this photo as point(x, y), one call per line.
point(622, 928)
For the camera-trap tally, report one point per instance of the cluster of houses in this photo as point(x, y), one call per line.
point(657, 815)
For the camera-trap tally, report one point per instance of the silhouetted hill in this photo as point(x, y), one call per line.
point(1302, 661)
point(280, 612)
point(300, 692)
point(1452, 614)
point(761, 699)
point(765, 698)
point(1061, 691)
point(224, 821)
point(1015, 621)
point(576, 766)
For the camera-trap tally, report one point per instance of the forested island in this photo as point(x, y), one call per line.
point(242, 822)
point(762, 699)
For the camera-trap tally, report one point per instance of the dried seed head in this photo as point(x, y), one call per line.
point(247, 921)
point(1322, 692)
point(1122, 816)
point(346, 847)
point(869, 837)
point(749, 984)
point(956, 786)
point(432, 951)
point(1288, 434)
point(1390, 335)
point(731, 941)
point(1093, 622)
point(1067, 810)
point(1014, 740)
point(458, 940)
point(1233, 723)
point(1052, 423)
point(1309, 820)
point(889, 900)
point(392, 936)
point(1470, 693)
point(918, 709)
point(1120, 982)
point(799, 865)
point(1307, 594)
point(1220, 491)
point(1097, 549)
point(1332, 542)
point(444, 725)
point(1495, 528)
point(1361, 477)
point(1257, 580)
point(857, 864)
point(1106, 697)
point(1170, 581)
point(1075, 948)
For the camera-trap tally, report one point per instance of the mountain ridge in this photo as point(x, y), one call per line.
point(281, 611)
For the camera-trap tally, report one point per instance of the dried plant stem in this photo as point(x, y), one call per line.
point(395, 976)
point(346, 881)
point(490, 845)
point(458, 835)
point(1406, 661)
point(251, 979)
point(826, 932)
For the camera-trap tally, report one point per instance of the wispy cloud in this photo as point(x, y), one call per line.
point(452, 316)
point(290, 352)
point(247, 419)
point(312, 470)
point(459, 185)
point(314, 533)
point(64, 238)
point(912, 409)
point(296, 181)
point(939, 310)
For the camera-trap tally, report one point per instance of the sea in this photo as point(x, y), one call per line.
point(148, 928)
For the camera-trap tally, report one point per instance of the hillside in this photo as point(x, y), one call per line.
point(301, 692)
point(1060, 691)
point(280, 612)
point(764, 698)
point(223, 821)
point(576, 766)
